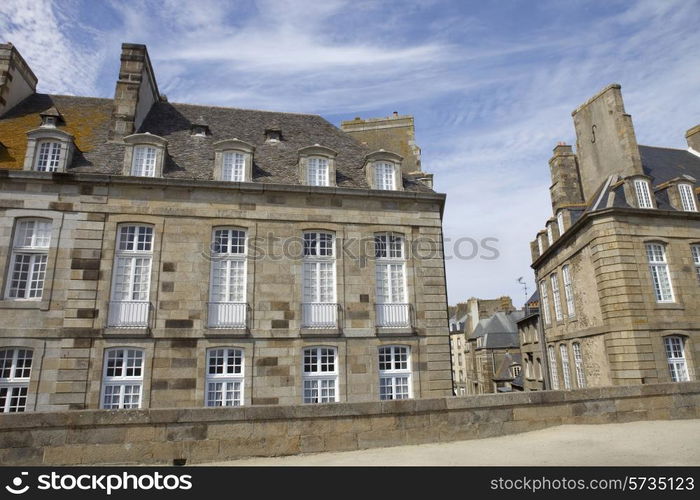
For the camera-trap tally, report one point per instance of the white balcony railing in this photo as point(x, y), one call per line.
point(227, 314)
point(128, 314)
point(319, 315)
point(393, 315)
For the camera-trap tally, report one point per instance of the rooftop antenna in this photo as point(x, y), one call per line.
point(522, 282)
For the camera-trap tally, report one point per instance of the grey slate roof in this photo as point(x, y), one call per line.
point(503, 369)
point(499, 331)
point(191, 157)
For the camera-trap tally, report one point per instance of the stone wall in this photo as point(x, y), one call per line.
point(159, 436)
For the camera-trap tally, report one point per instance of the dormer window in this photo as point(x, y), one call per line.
point(641, 188)
point(317, 171)
point(384, 177)
point(144, 161)
point(48, 159)
point(550, 235)
point(317, 166)
point(199, 130)
point(233, 160)
point(560, 222)
point(49, 149)
point(273, 135)
point(51, 118)
point(145, 155)
point(687, 197)
point(48, 121)
point(384, 170)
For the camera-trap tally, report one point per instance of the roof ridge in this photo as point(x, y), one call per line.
point(245, 109)
point(662, 147)
point(77, 96)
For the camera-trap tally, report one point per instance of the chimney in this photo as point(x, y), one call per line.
point(605, 140)
point(17, 80)
point(135, 93)
point(693, 138)
point(566, 183)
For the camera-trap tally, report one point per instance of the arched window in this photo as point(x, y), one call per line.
point(553, 369)
point(568, 291)
point(122, 383)
point(144, 155)
point(675, 355)
point(15, 371)
point(556, 296)
point(545, 301)
point(565, 368)
point(319, 309)
point(395, 372)
point(225, 377)
point(320, 375)
point(578, 362)
point(227, 293)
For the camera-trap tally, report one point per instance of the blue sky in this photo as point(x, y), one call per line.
point(491, 84)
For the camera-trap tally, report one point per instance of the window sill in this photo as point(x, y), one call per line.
point(395, 332)
point(669, 305)
point(126, 332)
point(42, 305)
point(226, 332)
point(320, 332)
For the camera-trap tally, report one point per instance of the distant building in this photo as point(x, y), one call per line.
point(534, 373)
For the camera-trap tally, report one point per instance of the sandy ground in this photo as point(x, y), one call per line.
point(636, 443)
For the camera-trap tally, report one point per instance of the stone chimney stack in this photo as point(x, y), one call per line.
point(135, 93)
point(605, 140)
point(693, 138)
point(566, 183)
point(17, 80)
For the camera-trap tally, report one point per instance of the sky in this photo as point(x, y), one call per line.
point(491, 85)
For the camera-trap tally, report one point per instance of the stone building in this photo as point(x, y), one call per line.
point(534, 374)
point(156, 254)
point(618, 264)
point(458, 321)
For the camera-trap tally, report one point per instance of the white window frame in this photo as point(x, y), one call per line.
point(123, 381)
point(641, 188)
point(540, 244)
point(26, 275)
point(515, 370)
point(695, 252)
point(568, 290)
point(228, 278)
point(556, 296)
point(390, 280)
point(660, 275)
point(48, 155)
point(395, 374)
point(319, 281)
point(687, 195)
point(565, 365)
point(144, 161)
point(550, 234)
point(233, 166)
point(319, 384)
point(674, 345)
point(384, 175)
point(578, 364)
point(15, 373)
point(560, 222)
point(318, 171)
point(225, 388)
point(553, 367)
point(545, 302)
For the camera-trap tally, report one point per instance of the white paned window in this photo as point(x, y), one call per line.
point(48, 156)
point(578, 362)
point(30, 249)
point(320, 375)
point(317, 171)
point(550, 235)
point(144, 162)
point(225, 377)
point(695, 249)
point(227, 293)
point(560, 222)
point(565, 369)
point(556, 297)
point(545, 302)
point(384, 176)
point(15, 370)
point(122, 383)
point(395, 372)
point(656, 254)
point(553, 369)
point(687, 197)
point(540, 244)
point(641, 187)
point(131, 280)
point(319, 289)
point(233, 166)
point(392, 304)
point(568, 291)
point(675, 354)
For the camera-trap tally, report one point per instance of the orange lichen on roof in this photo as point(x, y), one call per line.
point(13, 134)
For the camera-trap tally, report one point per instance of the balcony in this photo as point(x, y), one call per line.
point(319, 315)
point(393, 315)
point(128, 314)
point(232, 315)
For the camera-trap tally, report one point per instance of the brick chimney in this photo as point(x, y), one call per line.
point(693, 138)
point(135, 93)
point(566, 183)
point(17, 80)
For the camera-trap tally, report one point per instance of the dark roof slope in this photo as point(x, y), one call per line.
point(664, 164)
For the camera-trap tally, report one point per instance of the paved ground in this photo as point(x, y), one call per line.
point(636, 443)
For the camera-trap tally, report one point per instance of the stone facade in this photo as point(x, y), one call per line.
point(618, 280)
point(531, 349)
point(69, 329)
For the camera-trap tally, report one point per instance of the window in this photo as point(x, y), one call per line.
point(641, 187)
point(317, 171)
point(392, 306)
point(224, 377)
point(144, 162)
point(48, 157)
point(15, 370)
point(564, 352)
point(319, 308)
point(123, 379)
point(578, 363)
point(394, 372)
point(568, 291)
point(540, 244)
point(384, 176)
point(556, 298)
point(545, 301)
point(675, 354)
point(539, 369)
point(550, 235)
point(131, 279)
point(560, 222)
point(30, 249)
point(554, 371)
point(515, 371)
point(695, 249)
point(656, 254)
point(320, 377)
point(227, 293)
point(233, 168)
point(687, 197)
